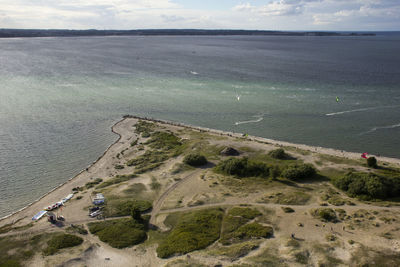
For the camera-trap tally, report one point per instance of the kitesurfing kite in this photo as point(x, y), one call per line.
point(337, 99)
point(364, 155)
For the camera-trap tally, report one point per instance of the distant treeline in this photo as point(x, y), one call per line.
point(9, 33)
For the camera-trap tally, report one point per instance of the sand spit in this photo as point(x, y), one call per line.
point(121, 129)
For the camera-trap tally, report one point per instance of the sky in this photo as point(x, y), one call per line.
point(296, 15)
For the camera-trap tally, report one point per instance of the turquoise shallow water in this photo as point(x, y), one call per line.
point(60, 96)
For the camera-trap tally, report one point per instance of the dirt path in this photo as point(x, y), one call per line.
point(159, 202)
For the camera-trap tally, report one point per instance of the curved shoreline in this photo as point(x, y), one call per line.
point(315, 149)
point(70, 179)
point(322, 150)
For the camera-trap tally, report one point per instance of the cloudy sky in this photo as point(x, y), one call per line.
point(206, 14)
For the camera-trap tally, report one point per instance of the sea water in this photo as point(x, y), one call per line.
point(60, 96)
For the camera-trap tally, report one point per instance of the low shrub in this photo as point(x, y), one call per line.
point(61, 241)
point(299, 171)
point(287, 209)
point(123, 207)
point(325, 214)
point(119, 233)
point(195, 230)
point(372, 162)
point(246, 213)
point(278, 154)
point(116, 180)
point(93, 183)
point(195, 160)
point(253, 230)
point(164, 141)
point(119, 167)
point(144, 126)
point(74, 228)
point(243, 167)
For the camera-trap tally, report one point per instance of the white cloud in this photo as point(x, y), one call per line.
point(270, 14)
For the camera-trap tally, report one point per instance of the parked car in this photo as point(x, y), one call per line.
point(93, 209)
point(95, 214)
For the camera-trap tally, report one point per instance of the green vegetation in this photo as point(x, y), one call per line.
point(288, 198)
point(243, 167)
point(150, 160)
point(193, 231)
point(154, 185)
point(93, 183)
point(195, 160)
point(119, 167)
point(365, 256)
point(287, 209)
point(122, 207)
point(246, 213)
point(279, 154)
point(17, 249)
point(119, 233)
point(302, 257)
point(368, 186)
point(268, 257)
point(324, 214)
point(134, 143)
point(372, 162)
point(61, 241)
point(253, 230)
point(144, 127)
point(236, 251)
point(9, 227)
point(74, 228)
point(116, 180)
point(180, 167)
point(235, 229)
point(164, 141)
point(299, 171)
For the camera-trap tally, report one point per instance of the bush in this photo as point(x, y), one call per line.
point(243, 167)
point(60, 242)
point(372, 162)
point(325, 214)
point(195, 160)
point(77, 229)
point(119, 167)
point(195, 230)
point(121, 207)
point(93, 183)
point(287, 209)
point(246, 213)
point(278, 154)
point(116, 180)
point(253, 230)
point(297, 172)
point(119, 233)
point(368, 185)
point(164, 141)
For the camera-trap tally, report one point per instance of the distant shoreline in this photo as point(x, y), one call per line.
point(15, 33)
point(321, 150)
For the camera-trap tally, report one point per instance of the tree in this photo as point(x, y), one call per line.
point(372, 162)
point(135, 213)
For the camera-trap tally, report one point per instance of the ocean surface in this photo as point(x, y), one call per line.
point(60, 96)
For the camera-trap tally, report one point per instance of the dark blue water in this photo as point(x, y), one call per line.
point(60, 96)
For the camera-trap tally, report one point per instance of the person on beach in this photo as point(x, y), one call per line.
point(292, 235)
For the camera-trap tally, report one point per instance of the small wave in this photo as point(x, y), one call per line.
point(381, 127)
point(194, 73)
point(259, 118)
point(358, 110)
